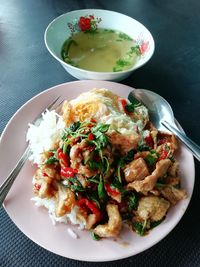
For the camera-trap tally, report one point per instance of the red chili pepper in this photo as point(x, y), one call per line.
point(84, 23)
point(44, 174)
point(63, 158)
point(124, 103)
point(75, 140)
point(85, 204)
point(162, 141)
point(163, 155)
point(37, 186)
point(112, 191)
point(149, 140)
point(91, 136)
point(93, 120)
point(68, 172)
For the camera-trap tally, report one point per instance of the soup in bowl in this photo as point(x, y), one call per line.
point(99, 44)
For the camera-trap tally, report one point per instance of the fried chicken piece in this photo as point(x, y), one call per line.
point(44, 182)
point(136, 170)
point(124, 142)
point(77, 154)
point(153, 208)
point(174, 168)
point(113, 227)
point(173, 194)
point(65, 201)
point(149, 182)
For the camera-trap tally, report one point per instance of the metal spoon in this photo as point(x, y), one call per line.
point(161, 115)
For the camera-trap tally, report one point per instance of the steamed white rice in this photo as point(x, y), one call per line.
point(50, 204)
point(42, 138)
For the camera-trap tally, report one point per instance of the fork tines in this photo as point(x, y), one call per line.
point(50, 107)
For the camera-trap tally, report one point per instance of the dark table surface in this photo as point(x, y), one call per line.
point(174, 72)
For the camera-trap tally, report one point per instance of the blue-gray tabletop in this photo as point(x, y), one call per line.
point(26, 69)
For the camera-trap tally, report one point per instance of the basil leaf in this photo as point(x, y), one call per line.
point(156, 223)
point(101, 190)
point(139, 227)
point(132, 202)
point(130, 155)
point(151, 159)
point(94, 197)
point(119, 167)
point(102, 140)
point(95, 236)
point(130, 107)
point(51, 160)
point(75, 126)
point(106, 165)
point(76, 185)
point(101, 127)
point(95, 165)
point(115, 183)
point(143, 147)
point(93, 179)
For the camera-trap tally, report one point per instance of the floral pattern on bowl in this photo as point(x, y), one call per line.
point(85, 24)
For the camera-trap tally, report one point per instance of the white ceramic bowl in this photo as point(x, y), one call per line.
point(58, 31)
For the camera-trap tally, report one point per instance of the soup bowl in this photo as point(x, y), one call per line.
point(64, 26)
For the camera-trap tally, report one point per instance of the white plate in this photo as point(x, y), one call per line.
point(35, 222)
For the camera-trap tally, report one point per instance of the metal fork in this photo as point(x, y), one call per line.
point(5, 187)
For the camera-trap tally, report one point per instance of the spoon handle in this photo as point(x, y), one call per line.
point(192, 146)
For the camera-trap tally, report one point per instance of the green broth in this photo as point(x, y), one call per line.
point(103, 51)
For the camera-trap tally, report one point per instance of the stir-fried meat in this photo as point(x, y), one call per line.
point(77, 156)
point(96, 173)
point(141, 154)
point(149, 182)
point(124, 142)
point(153, 208)
point(43, 184)
point(136, 170)
point(175, 181)
point(155, 192)
point(174, 142)
point(116, 197)
point(173, 194)
point(82, 180)
point(65, 200)
point(173, 169)
point(50, 171)
point(91, 220)
point(163, 138)
point(113, 227)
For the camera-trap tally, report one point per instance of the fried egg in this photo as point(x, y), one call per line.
point(106, 107)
